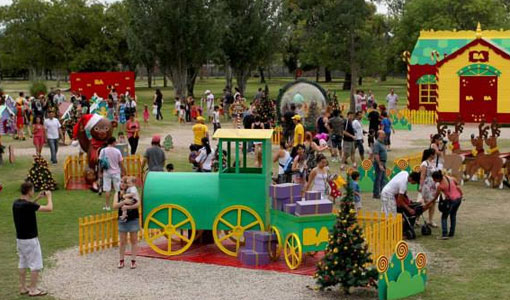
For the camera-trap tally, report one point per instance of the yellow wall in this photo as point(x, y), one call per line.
point(449, 81)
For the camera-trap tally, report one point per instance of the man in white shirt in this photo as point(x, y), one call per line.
point(209, 102)
point(396, 190)
point(52, 127)
point(59, 98)
point(358, 133)
point(392, 100)
point(111, 175)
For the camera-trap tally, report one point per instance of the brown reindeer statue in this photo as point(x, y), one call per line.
point(490, 163)
point(453, 161)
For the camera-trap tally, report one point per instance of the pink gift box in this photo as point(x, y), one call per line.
point(314, 207)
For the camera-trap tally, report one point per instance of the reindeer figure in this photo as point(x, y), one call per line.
point(453, 162)
point(490, 163)
point(477, 143)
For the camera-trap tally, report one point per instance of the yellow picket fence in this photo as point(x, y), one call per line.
point(421, 116)
point(381, 232)
point(277, 135)
point(75, 166)
point(101, 231)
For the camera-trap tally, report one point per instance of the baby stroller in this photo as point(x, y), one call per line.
point(409, 221)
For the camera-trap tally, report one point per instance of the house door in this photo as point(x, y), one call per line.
point(478, 98)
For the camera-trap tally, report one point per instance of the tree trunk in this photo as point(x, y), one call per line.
point(327, 75)
point(58, 79)
point(384, 76)
point(165, 79)
point(354, 74)
point(262, 78)
point(347, 81)
point(360, 81)
point(228, 76)
point(241, 79)
point(149, 77)
point(317, 74)
point(179, 80)
point(192, 78)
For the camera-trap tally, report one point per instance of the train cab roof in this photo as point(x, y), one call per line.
point(243, 134)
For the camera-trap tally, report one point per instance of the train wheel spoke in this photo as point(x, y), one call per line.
point(158, 223)
point(227, 223)
point(182, 223)
point(226, 236)
point(250, 225)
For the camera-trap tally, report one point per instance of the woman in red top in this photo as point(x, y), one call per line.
point(133, 133)
point(453, 193)
point(20, 121)
point(39, 136)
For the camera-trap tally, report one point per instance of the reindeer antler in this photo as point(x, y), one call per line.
point(441, 129)
point(485, 132)
point(459, 127)
point(495, 128)
point(481, 129)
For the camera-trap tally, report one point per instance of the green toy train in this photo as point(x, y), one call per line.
point(229, 202)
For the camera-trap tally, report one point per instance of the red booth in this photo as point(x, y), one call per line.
point(102, 82)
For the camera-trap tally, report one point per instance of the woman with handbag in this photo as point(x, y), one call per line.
point(427, 184)
point(318, 180)
point(450, 205)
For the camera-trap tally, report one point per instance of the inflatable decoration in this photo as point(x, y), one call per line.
point(402, 276)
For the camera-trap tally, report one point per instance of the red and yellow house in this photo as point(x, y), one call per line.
point(462, 74)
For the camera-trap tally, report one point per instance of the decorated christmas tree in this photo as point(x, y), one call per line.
point(40, 175)
point(266, 110)
point(346, 255)
point(313, 115)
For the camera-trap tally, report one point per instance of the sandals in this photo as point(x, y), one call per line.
point(38, 293)
point(133, 264)
point(121, 264)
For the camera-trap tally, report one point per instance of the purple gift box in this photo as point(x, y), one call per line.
point(290, 191)
point(314, 207)
point(290, 208)
point(313, 195)
point(279, 204)
point(257, 240)
point(253, 258)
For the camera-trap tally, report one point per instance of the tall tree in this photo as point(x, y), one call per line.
point(252, 35)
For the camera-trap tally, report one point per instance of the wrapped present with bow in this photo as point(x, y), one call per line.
point(313, 207)
point(249, 257)
point(284, 193)
point(257, 240)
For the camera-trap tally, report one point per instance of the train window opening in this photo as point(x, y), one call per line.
point(240, 157)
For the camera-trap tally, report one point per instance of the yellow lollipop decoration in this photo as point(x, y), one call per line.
point(402, 164)
point(366, 164)
point(382, 265)
point(401, 251)
point(421, 261)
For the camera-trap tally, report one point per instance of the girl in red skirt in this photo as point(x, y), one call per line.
point(20, 121)
point(38, 134)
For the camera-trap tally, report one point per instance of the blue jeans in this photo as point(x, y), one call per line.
point(452, 212)
point(380, 179)
point(53, 144)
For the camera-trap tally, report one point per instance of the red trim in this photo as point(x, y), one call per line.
point(471, 44)
point(415, 72)
point(503, 119)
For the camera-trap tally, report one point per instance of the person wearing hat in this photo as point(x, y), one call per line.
point(200, 131)
point(154, 156)
point(299, 131)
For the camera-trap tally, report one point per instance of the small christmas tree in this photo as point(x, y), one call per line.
point(346, 255)
point(266, 110)
point(40, 175)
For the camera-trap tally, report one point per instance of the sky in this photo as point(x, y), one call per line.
point(381, 8)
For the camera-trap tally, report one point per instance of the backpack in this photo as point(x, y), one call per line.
point(103, 160)
point(287, 167)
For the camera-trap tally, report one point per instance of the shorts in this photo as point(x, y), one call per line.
point(388, 204)
point(29, 252)
point(349, 147)
point(336, 141)
point(129, 226)
point(108, 180)
point(357, 205)
point(387, 140)
point(359, 145)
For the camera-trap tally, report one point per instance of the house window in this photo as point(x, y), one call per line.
point(428, 93)
point(427, 86)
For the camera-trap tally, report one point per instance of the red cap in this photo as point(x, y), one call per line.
point(156, 139)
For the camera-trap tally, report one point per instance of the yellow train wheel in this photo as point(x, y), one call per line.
point(230, 225)
point(274, 252)
point(178, 225)
point(293, 251)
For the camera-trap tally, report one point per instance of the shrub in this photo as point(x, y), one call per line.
point(37, 88)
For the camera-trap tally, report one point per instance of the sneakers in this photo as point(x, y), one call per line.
point(107, 208)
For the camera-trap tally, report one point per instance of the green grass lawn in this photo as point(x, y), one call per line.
point(474, 265)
